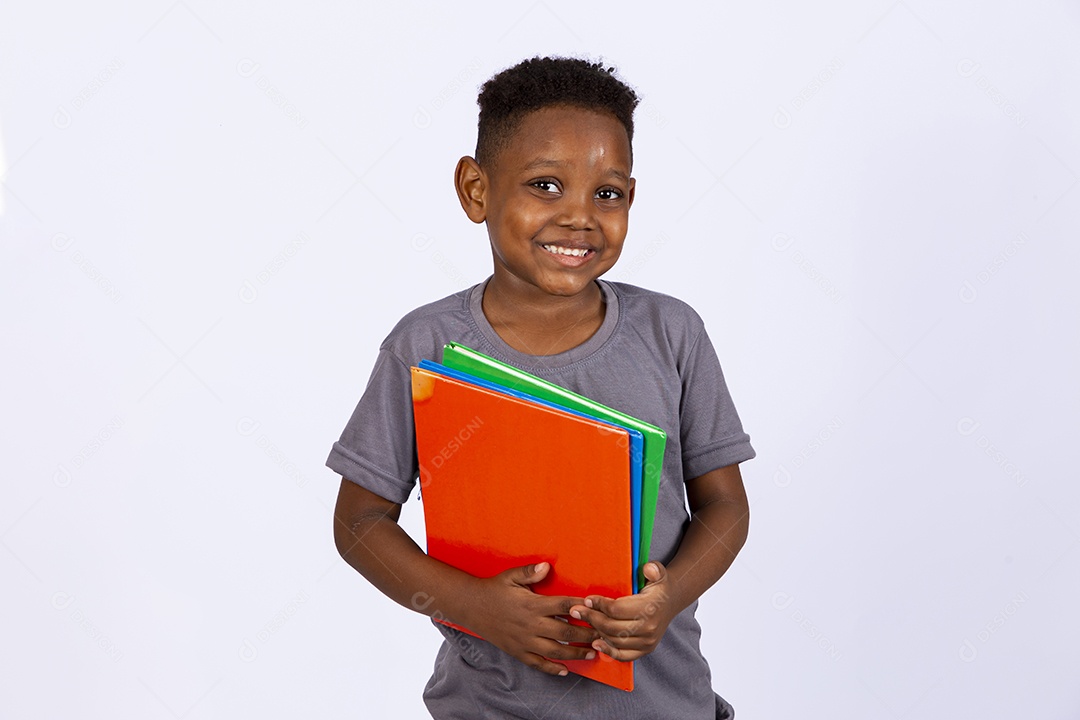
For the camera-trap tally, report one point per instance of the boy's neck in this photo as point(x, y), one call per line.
point(536, 323)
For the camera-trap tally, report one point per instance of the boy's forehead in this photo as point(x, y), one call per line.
point(557, 135)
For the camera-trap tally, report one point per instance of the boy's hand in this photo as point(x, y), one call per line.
point(631, 626)
point(523, 624)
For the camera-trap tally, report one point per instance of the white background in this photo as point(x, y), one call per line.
point(212, 213)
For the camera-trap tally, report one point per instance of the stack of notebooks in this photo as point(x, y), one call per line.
point(517, 470)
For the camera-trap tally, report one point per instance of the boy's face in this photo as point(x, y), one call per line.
point(556, 201)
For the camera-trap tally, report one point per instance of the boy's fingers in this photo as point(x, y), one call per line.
point(599, 602)
point(625, 641)
point(654, 572)
point(558, 604)
point(565, 604)
point(565, 632)
point(529, 574)
point(593, 617)
point(621, 609)
point(544, 665)
point(605, 625)
point(557, 651)
point(620, 654)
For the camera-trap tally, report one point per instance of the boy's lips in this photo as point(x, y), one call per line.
point(569, 254)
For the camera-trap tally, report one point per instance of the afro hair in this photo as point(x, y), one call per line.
point(537, 83)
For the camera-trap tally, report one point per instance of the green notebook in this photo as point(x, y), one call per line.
point(465, 359)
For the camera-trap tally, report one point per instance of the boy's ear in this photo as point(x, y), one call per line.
point(630, 193)
point(471, 183)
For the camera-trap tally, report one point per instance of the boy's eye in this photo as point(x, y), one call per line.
point(542, 183)
point(608, 193)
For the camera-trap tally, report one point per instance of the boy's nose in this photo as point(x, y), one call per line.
point(578, 212)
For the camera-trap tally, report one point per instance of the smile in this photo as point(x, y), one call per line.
point(559, 250)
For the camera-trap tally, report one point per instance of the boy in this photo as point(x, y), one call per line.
point(552, 181)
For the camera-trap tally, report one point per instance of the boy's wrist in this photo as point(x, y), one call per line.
point(453, 602)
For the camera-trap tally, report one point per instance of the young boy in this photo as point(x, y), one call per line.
point(552, 181)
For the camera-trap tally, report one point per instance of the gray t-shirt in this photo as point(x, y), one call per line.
point(651, 358)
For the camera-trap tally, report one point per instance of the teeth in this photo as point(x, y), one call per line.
point(576, 252)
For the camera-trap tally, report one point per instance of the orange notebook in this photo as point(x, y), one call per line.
point(506, 482)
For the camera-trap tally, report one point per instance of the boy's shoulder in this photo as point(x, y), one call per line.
point(653, 298)
point(642, 305)
point(451, 306)
point(424, 329)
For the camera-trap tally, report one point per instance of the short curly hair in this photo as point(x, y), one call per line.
point(541, 82)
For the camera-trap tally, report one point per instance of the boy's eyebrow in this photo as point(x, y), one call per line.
point(548, 162)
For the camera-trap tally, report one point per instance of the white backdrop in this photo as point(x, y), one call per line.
point(212, 213)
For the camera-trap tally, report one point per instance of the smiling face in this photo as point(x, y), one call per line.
point(556, 202)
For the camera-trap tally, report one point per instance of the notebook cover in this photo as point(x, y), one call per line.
point(636, 450)
point(507, 482)
point(461, 357)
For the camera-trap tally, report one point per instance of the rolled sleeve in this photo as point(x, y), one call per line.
point(377, 448)
point(712, 435)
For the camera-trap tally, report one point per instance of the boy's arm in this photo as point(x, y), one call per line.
point(503, 609)
point(632, 626)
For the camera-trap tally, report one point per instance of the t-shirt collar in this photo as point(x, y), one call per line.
point(504, 352)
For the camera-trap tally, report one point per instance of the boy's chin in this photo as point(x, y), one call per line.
point(568, 287)
point(566, 284)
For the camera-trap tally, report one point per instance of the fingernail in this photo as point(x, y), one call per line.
point(575, 614)
point(562, 673)
point(588, 603)
point(590, 655)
